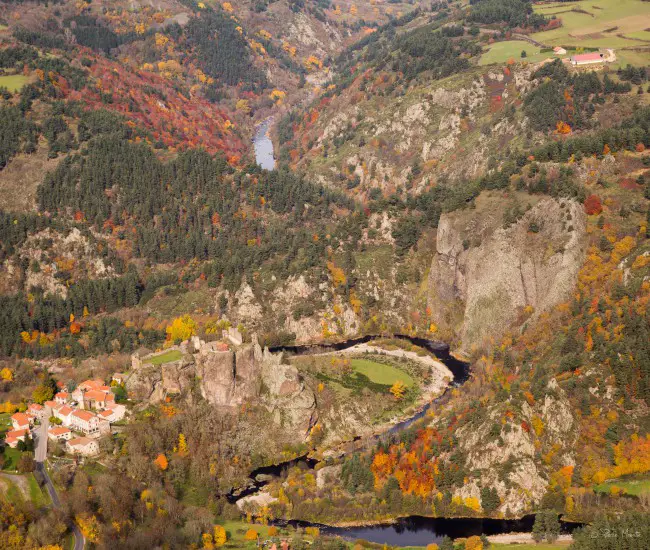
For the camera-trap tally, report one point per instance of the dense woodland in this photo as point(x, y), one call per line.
point(153, 170)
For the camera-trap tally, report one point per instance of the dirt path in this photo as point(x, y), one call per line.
point(525, 538)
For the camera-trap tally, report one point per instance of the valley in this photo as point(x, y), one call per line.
point(334, 275)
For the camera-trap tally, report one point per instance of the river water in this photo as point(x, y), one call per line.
point(264, 146)
point(420, 531)
point(412, 530)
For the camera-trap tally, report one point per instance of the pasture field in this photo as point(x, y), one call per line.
point(595, 23)
point(13, 82)
point(379, 373)
point(630, 486)
point(166, 357)
point(500, 52)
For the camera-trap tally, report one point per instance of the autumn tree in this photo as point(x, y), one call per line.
point(220, 536)
point(398, 389)
point(181, 329)
point(161, 462)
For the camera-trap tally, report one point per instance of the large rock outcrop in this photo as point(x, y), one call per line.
point(487, 278)
point(230, 378)
point(509, 462)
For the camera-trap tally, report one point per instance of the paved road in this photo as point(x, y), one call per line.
point(40, 454)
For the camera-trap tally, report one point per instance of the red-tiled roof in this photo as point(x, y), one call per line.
point(95, 395)
point(65, 410)
point(62, 395)
point(21, 418)
point(14, 434)
point(59, 430)
point(593, 56)
point(84, 415)
point(36, 407)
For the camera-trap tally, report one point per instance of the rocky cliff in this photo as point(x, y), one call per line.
point(508, 460)
point(229, 379)
point(487, 277)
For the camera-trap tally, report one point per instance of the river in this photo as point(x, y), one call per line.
point(407, 531)
point(420, 531)
point(264, 146)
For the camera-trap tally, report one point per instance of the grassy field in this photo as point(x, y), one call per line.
point(500, 52)
point(586, 27)
point(166, 357)
point(5, 422)
point(11, 459)
point(237, 530)
point(379, 373)
point(38, 496)
point(629, 486)
point(13, 82)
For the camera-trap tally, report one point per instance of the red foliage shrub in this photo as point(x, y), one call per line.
point(593, 205)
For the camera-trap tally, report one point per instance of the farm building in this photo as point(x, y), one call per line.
point(593, 58)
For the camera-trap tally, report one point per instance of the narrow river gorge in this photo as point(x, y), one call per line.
point(404, 531)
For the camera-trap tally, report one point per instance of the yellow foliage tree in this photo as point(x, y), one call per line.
point(182, 445)
point(182, 328)
point(89, 527)
point(474, 543)
point(243, 106)
point(6, 374)
point(220, 536)
point(251, 534)
point(398, 389)
point(206, 539)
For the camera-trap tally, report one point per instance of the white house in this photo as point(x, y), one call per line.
point(113, 413)
point(559, 50)
point(58, 433)
point(21, 421)
point(62, 397)
point(64, 414)
point(36, 410)
point(82, 446)
point(14, 436)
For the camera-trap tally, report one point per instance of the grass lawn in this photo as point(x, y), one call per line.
point(37, 495)
point(379, 373)
point(588, 29)
point(13, 82)
point(500, 52)
point(166, 357)
point(11, 459)
point(630, 486)
point(5, 422)
point(630, 57)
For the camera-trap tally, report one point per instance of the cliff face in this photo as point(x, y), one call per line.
point(230, 379)
point(486, 278)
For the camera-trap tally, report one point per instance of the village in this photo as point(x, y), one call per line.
point(77, 418)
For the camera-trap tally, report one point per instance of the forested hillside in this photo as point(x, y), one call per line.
point(424, 196)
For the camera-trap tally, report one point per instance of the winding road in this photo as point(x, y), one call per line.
point(40, 454)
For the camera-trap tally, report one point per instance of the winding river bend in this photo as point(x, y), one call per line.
point(406, 531)
point(264, 146)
